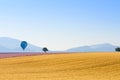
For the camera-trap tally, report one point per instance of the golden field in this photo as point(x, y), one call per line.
point(74, 66)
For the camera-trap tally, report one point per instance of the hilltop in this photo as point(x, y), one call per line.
point(105, 47)
point(8, 44)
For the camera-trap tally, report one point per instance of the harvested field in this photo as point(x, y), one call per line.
point(76, 66)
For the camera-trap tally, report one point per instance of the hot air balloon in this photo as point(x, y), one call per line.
point(24, 44)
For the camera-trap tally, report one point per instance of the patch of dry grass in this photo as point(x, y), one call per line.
point(76, 66)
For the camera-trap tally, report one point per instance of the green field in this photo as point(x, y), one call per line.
point(76, 66)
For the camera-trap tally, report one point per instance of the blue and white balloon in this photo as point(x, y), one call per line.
point(24, 44)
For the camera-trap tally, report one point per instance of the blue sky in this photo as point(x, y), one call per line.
point(61, 24)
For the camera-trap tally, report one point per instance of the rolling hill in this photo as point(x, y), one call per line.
point(13, 45)
point(94, 48)
point(79, 66)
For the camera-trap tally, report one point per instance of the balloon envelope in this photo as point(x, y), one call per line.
point(24, 44)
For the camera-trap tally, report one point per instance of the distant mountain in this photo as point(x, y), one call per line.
point(13, 45)
point(94, 48)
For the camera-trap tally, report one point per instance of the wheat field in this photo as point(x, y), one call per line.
point(74, 66)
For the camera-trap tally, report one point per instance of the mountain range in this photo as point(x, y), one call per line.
point(13, 45)
point(106, 47)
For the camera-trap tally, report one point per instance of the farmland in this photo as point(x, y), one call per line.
point(68, 66)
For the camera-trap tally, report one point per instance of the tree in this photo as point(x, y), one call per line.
point(117, 49)
point(45, 49)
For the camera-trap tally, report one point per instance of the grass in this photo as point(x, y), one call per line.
point(76, 66)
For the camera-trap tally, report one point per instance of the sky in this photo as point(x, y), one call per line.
point(61, 24)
